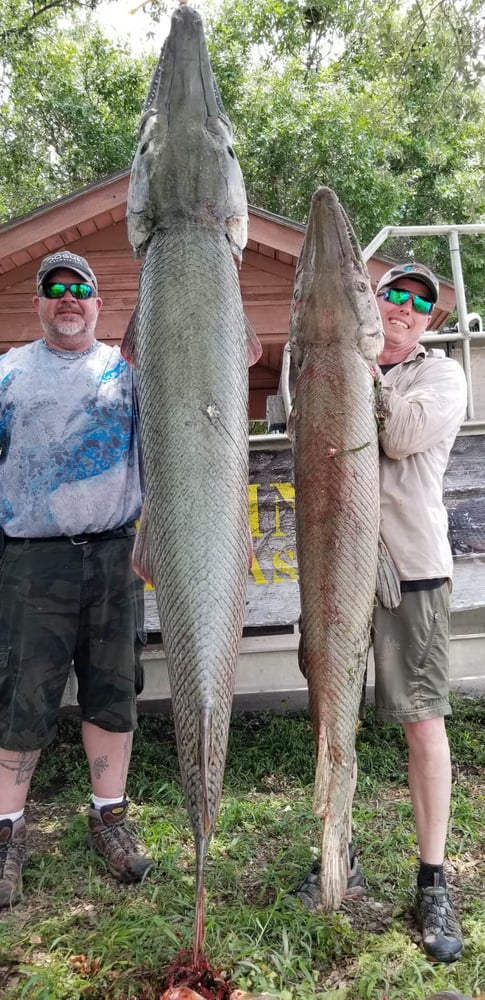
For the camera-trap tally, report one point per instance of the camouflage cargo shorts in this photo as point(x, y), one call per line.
point(60, 604)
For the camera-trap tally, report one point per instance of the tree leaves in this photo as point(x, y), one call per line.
point(383, 102)
point(71, 108)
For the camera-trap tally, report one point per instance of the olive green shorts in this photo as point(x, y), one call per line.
point(60, 604)
point(411, 656)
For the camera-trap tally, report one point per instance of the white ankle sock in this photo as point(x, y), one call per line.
point(98, 802)
point(12, 816)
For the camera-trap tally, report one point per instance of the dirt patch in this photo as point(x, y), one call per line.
point(46, 825)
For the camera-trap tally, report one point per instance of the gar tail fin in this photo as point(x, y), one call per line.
point(335, 863)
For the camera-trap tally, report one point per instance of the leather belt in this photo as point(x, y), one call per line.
point(125, 531)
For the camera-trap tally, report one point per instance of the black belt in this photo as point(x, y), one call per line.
point(408, 586)
point(125, 531)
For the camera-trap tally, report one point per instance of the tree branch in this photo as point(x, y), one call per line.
point(20, 29)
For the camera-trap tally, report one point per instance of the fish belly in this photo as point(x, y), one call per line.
point(191, 359)
point(337, 524)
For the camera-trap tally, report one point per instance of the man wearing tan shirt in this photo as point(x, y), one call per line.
point(424, 401)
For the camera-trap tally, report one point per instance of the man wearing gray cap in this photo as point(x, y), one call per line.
point(423, 402)
point(424, 396)
point(70, 491)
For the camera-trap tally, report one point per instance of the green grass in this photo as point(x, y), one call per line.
point(77, 933)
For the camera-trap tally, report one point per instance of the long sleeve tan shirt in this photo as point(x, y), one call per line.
point(425, 402)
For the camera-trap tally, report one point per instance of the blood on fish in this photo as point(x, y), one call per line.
point(209, 983)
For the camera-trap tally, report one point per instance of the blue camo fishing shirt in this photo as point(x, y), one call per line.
point(69, 458)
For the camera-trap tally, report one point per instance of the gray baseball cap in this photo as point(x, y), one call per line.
point(64, 258)
point(418, 271)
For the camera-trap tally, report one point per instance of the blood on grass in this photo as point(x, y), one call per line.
point(208, 983)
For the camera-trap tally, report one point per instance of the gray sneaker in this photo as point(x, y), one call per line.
point(442, 939)
point(112, 837)
point(13, 858)
point(308, 890)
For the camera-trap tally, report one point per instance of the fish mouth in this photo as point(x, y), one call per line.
point(333, 227)
point(333, 298)
point(331, 254)
point(185, 167)
point(183, 78)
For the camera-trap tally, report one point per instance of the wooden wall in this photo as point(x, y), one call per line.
point(92, 223)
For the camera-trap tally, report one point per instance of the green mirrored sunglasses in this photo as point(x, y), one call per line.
point(398, 297)
point(56, 289)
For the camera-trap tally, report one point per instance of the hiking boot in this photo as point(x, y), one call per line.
point(442, 940)
point(13, 858)
point(112, 837)
point(308, 890)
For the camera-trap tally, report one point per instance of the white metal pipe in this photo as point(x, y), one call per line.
point(285, 379)
point(473, 427)
point(378, 240)
point(476, 227)
point(269, 442)
point(280, 440)
point(387, 231)
point(435, 338)
point(374, 245)
point(461, 307)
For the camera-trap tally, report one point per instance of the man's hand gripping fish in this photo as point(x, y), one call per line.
point(335, 336)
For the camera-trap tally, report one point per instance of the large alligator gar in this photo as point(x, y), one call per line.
point(187, 212)
point(335, 334)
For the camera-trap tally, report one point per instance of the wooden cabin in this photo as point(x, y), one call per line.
point(91, 222)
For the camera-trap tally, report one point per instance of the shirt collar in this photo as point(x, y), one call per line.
point(419, 351)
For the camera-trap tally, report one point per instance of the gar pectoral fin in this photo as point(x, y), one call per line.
point(250, 549)
point(291, 423)
point(371, 345)
point(388, 584)
point(255, 348)
point(129, 339)
point(142, 562)
point(237, 234)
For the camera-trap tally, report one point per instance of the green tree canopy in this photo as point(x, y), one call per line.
point(70, 103)
point(384, 103)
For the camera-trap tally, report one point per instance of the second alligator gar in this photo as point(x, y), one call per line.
point(187, 212)
point(335, 334)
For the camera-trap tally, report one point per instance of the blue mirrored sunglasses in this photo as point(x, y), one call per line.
point(398, 296)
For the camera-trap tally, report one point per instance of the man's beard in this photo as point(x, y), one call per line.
point(62, 326)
